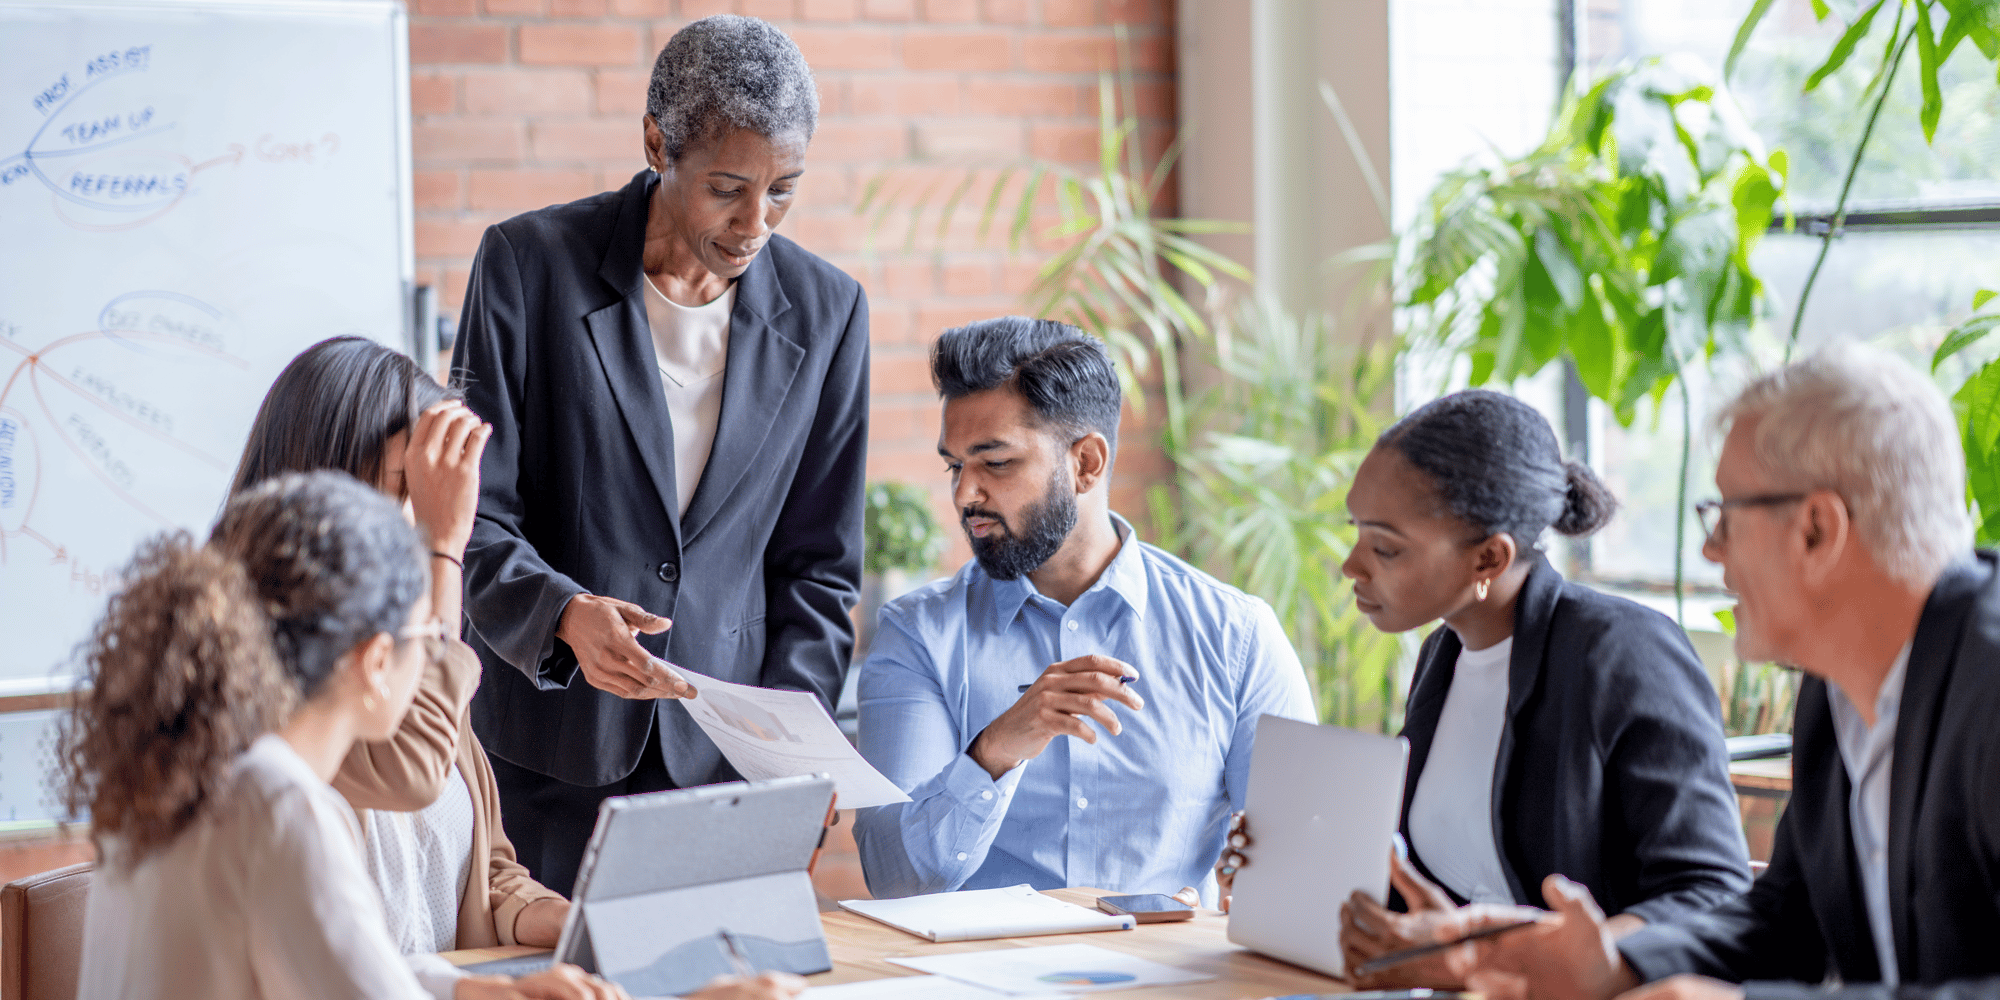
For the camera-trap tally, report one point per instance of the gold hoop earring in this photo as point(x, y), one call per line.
point(1480, 588)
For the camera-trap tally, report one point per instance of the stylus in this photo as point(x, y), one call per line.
point(736, 959)
point(1396, 958)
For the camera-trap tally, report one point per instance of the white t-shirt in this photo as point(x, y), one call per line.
point(264, 896)
point(1451, 816)
point(420, 861)
point(691, 346)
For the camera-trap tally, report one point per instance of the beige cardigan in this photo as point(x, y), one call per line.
point(409, 771)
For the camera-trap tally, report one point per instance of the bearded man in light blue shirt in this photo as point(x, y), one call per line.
point(1074, 707)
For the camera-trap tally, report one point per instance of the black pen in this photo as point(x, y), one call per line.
point(1122, 679)
point(1395, 958)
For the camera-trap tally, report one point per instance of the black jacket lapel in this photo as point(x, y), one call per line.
point(1534, 614)
point(624, 345)
point(1933, 652)
point(1436, 664)
point(1825, 839)
point(762, 363)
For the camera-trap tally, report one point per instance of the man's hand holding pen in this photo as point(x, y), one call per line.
point(1057, 704)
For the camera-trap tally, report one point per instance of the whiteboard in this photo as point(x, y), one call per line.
point(190, 194)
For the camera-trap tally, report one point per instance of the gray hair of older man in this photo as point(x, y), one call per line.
point(725, 72)
point(1861, 422)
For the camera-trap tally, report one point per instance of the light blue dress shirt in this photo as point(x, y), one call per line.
point(1143, 811)
point(1869, 753)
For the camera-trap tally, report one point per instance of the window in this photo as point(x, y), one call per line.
point(1922, 233)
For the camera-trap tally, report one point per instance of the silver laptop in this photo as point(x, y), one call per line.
point(1322, 807)
point(664, 872)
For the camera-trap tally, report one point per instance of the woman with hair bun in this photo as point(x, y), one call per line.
point(1553, 729)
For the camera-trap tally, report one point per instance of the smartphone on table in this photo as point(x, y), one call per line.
point(1146, 908)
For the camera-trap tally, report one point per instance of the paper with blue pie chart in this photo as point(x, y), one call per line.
point(1063, 968)
point(768, 734)
point(1088, 977)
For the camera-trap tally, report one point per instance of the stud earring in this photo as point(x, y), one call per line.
point(1480, 588)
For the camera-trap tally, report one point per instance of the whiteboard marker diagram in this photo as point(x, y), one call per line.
point(89, 154)
point(88, 394)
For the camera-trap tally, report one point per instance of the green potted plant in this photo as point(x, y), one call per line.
point(1263, 493)
point(903, 538)
point(1622, 244)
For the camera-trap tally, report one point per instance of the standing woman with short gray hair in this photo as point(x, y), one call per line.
point(679, 401)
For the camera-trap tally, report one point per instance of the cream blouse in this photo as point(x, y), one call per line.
point(264, 896)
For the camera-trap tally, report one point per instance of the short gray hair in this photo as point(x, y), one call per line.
point(728, 71)
point(1861, 422)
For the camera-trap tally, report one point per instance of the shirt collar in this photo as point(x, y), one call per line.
point(1850, 732)
point(1125, 577)
point(1889, 700)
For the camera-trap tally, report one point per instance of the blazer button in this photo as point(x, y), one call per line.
point(669, 572)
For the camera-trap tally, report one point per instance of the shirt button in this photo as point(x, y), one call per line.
point(961, 855)
point(1070, 625)
point(1083, 803)
point(669, 572)
point(985, 796)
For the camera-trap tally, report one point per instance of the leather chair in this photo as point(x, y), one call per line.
point(41, 934)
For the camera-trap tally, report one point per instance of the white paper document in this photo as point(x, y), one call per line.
point(780, 734)
point(915, 988)
point(1016, 911)
point(1069, 968)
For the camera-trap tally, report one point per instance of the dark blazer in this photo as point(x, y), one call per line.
point(1806, 916)
point(577, 492)
point(1611, 767)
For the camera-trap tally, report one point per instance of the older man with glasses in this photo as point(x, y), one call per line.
point(1842, 529)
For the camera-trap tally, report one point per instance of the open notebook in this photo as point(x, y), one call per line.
point(1016, 911)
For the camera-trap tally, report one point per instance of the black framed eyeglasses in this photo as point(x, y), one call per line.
point(1710, 512)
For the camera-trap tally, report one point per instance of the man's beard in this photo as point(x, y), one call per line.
point(1045, 525)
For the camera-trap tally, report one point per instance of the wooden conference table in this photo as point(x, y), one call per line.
point(861, 947)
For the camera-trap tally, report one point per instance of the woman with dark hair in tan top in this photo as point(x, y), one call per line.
point(430, 814)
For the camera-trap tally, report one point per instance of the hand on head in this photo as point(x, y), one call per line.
point(603, 632)
point(441, 471)
point(1057, 704)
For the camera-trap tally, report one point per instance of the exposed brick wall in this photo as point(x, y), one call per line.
point(523, 103)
